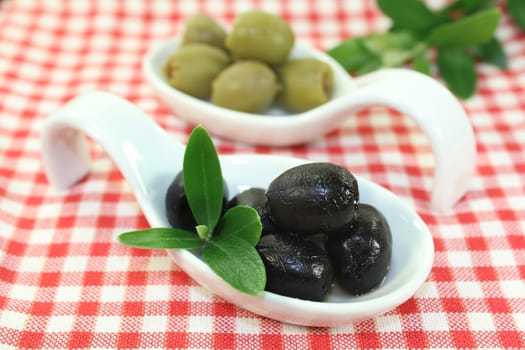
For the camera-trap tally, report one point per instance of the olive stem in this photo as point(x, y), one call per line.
point(203, 231)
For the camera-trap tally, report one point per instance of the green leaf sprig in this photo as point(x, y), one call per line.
point(462, 33)
point(227, 240)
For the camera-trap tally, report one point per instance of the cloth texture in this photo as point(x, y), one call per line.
point(65, 282)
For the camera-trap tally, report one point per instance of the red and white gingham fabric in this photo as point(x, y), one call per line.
point(66, 283)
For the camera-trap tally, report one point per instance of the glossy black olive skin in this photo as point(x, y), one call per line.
point(177, 208)
point(361, 256)
point(254, 197)
point(313, 198)
point(295, 267)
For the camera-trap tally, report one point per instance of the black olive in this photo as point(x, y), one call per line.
point(318, 239)
point(361, 256)
point(313, 198)
point(295, 267)
point(177, 207)
point(254, 197)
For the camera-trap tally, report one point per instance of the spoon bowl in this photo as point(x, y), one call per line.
point(135, 150)
point(437, 112)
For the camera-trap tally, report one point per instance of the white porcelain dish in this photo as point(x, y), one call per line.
point(437, 112)
point(149, 159)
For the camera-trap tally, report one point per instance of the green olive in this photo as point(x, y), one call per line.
point(192, 68)
point(260, 36)
point(306, 83)
point(203, 29)
point(246, 86)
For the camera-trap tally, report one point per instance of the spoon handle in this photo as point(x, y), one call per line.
point(140, 148)
point(439, 115)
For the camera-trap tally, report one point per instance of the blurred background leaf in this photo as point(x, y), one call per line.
point(516, 10)
point(462, 33)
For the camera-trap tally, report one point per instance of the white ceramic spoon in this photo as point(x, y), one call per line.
point(437, 112)
point(149, 159)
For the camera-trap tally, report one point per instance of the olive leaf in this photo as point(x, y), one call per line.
point(470, 30)
point(410, 14)
point(421, 63)
point(353, 55)
point(230, 251)
point(394, 48)
point(491, 52)
point(203, 182)
point(365, 54)
point(516, 10)
point(398, 40)
point(161, 238)
point(465, 7)
point(458, 70)
point(237, 262)
point(241, 222)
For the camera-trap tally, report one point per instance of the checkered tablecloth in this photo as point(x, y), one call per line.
point(66, 283)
